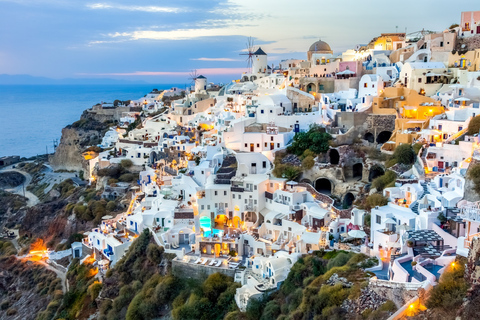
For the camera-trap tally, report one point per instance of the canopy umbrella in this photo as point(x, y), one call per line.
point(86, 233)
point(391, 221)
point(292, 183)
point(462, 99)
point(392, 244)
point(345, 72)
point(357, 234)
point(403, 227)
point(424, 201)
point(456, 85)
point(107, 217)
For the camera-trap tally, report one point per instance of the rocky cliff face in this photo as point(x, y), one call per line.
point(470, 193)
point(68, 155)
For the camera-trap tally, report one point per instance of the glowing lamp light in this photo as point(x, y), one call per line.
point(411, 306)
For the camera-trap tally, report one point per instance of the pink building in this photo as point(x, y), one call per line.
point(470, 22)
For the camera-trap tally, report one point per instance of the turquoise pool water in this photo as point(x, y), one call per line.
point(208, 233)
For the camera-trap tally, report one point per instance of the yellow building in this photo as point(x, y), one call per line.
point(388, 41)
point(413, 112)
point(469, 61)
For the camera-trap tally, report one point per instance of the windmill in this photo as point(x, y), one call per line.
point(192, 77)
point(249, 53)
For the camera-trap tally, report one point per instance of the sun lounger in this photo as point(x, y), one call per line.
point(197, 261)
point(212, 263)
point(205, 262)
point(219, 263)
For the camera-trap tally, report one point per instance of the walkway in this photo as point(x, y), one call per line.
point(21, 189)
point(383, 274)
point(425, 192)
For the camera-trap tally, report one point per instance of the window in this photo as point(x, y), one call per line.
point(246, 200)
point(373, 86)
point(264, 164)
point(378, 219)
point(258, 145)
point(216, 193)
point(240, 197)
point(254, 201)
point(265, 144)
point(216, 205)
point(441, 43)
point(208, 207)
point(365, 85)
point(278, 145)
point(271, 138)
point(233, 196)
point(224, 193)
point(419, 80)
point(254, 187)
point(271, 111)
point(226, 205)
point(203, 207)
point(245, 145)
point(261, 111)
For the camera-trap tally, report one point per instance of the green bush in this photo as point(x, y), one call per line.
point(126, 163)
point(382, 182)
point(127, 177)
point(448, 294)
point(308, 163)
point(315, 139)
point(404, 154)
point(474, 126)
point(340, 260)
point(94, 290)
point(154, 253)
point(374, 200)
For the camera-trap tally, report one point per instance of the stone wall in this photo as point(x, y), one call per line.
point(398, 292)
point(350, 119)
point(196, 271)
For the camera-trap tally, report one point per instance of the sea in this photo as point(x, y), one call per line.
point(32, 116)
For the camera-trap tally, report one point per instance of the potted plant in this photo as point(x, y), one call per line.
point(410, 243)
point(414, 263)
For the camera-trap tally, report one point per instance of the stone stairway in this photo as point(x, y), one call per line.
point(425, 192)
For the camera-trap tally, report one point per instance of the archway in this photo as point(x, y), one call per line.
point(357, 170)
point(311, 87)
point(384, 136)
point(348, 200)
point(375, 171)
point(307, 181)
point(324, 186)
point(334, 156)
point(369, 137)
point(153, 157)
point(253, 78)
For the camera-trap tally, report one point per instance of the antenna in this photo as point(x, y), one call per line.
point(249, 53)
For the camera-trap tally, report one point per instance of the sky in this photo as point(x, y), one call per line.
point(163, 41)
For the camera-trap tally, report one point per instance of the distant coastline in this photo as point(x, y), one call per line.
point(42, 111)
point(24, 79)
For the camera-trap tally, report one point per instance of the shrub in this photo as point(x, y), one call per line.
point(315, 139)
point(374, 200)
point(154, 253)
point(474, 126)
point(94, 290)
point(126, 163)
point(111, 205)
point(308, 162)
point(451, 289)
point(384, 181)
point(340, 260)
point(127, 177)
point(404, 154)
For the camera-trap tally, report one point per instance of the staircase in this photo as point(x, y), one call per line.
point(456, 135)
point(425, 192)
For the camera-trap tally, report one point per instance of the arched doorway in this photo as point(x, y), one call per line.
point(369, 137)
point(324, 186)
point(334, 156)
point(306, 181)
point(153, 157)
point(384, 136)
point(375, 171)
point(311, 87)
point(357, 170)
point(348, 200)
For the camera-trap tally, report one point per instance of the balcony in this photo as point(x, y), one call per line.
point(250, 207)
point(237, 189)
point(468, 240)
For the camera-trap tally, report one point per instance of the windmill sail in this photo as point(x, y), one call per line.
point(249, 53)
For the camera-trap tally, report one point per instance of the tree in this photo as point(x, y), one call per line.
point(126, 163)
point(291, 172)
point(404, 154)
point(474, 126)
point(454, 25)
point(315, 139)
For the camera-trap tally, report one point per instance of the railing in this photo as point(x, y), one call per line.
point(237, 189)
point(250, 207)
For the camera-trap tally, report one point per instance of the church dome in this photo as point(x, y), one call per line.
point(320, 46)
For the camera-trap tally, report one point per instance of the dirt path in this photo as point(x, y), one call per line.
point(60, 273)
point(21, 189)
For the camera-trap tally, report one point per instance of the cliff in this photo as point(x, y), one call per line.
point(470, 193)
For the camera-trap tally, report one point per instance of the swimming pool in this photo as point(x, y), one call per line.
point(207, 232)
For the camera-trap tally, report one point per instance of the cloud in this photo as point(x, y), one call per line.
point(96, 6)
point(204, 71)
point(216, 59)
